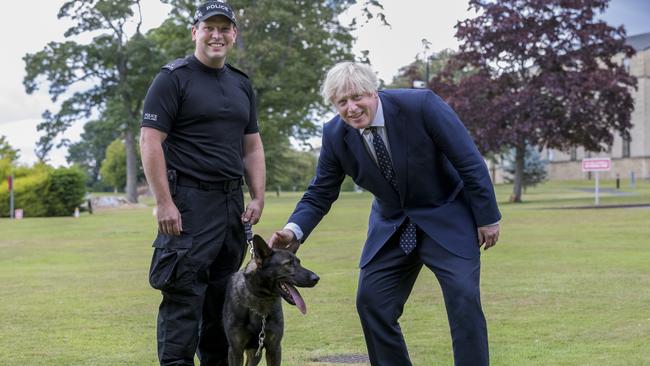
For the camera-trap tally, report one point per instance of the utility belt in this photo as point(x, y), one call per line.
point(177, 179)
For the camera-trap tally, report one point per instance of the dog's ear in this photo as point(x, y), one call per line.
point(262, 250)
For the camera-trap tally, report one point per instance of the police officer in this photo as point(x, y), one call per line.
point(199, 137)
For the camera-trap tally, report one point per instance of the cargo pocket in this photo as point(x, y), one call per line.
point(170, 269)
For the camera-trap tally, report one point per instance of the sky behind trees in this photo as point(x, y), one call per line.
point(27, 27)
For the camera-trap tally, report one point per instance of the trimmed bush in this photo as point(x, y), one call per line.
point(29, 195)
point(45, 192)
point(67, 191)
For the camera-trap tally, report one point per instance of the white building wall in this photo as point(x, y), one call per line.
point(644, 104)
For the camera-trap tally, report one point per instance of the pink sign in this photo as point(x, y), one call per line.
point(596, 164)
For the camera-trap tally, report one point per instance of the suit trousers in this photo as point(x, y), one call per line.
point(386, 283)
point(192, 271)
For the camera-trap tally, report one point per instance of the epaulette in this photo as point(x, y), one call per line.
point(231, 67)
point(176, 64)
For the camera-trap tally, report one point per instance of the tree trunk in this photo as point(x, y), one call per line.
point(520, 153)
point(131, 167)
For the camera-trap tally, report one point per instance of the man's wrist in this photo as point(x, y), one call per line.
point(295, 229)
point(165, 201)
point(493, 224)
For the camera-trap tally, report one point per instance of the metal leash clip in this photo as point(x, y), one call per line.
point(248, 229)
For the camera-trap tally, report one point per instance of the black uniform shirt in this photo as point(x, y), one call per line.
point(205, 113)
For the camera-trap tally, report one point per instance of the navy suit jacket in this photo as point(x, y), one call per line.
point(444, 184)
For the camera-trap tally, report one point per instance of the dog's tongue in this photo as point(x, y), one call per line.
point(295, 295)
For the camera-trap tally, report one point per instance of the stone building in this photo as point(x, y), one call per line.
point(628, 156)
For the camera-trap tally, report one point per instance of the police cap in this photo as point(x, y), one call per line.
point(212, 8)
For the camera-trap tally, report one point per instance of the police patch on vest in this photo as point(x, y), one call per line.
point(150, 117)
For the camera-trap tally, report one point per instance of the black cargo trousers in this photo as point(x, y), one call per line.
point(192, 271)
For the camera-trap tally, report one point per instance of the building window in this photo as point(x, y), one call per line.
point(574, 154)
point(626, 147)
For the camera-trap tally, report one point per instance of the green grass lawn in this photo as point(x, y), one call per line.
point(562, 287)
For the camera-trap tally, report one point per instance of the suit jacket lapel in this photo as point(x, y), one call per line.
point(368, 175)
point(396, 129)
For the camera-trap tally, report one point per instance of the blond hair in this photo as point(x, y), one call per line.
point(346, 78)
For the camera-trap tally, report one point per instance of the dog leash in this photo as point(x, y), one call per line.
point(262, 335)
point(248, 229)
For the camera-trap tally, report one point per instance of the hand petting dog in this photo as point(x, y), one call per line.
point(284, 239)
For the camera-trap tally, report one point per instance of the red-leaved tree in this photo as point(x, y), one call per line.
point(544, 72)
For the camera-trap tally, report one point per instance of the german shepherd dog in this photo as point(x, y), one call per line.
point(252, 312)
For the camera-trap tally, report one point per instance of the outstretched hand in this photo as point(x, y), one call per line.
point(284, 239)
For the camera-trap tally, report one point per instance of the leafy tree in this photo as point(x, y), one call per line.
point(6, 169)
point(113, 169)
point(545, 74)
point(298, 173)
point(8, 157)
point(416, 70)
point(108, 75)
point(6, 151)
point(534, 167)
point(285, 46)
point(90, 151)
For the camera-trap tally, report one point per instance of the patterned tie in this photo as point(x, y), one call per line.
point(383, 159)
point(407, 238)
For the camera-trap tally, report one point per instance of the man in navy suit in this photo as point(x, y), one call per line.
point(434, 205)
